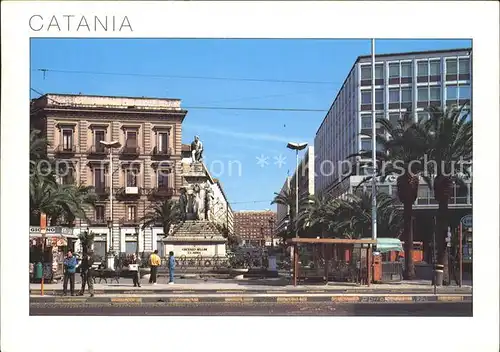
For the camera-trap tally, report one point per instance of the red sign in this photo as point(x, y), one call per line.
point(43, 221)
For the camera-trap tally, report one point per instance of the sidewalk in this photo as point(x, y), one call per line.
point(266, 286)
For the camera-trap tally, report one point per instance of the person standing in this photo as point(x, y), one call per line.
point(69, 266)
point(87, 274)
point(154, 262)
point(171, 267)
point(135, 270)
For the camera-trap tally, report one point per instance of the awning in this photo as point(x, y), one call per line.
point(52, 231)
point(385, 245)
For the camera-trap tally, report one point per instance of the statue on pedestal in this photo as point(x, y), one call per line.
point(183, 203)
point(208, 199)
point(196, 150)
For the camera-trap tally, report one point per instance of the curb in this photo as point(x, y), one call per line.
point(254, 299)
point(143, 292)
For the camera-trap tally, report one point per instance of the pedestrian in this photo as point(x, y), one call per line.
point(171, 267)
point(154, 262)
point(134, 268)
point(69, 267)
point(86, 272)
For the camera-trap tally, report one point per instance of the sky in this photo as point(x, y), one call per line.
point(244, 149)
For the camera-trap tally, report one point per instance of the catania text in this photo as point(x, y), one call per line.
point(80, 23)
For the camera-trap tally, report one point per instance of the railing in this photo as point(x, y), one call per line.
point(162, 152)
point(162, 192)
point(62, 149)
point(127, 221)
point(97, 150)
point(101, 190)
point(130, 151)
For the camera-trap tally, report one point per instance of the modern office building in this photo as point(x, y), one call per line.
point(403, 82)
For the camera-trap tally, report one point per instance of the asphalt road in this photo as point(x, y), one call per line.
point(258, 309)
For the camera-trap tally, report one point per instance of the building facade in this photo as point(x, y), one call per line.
point(146, 165)
point(256, 227)
point(403, 82)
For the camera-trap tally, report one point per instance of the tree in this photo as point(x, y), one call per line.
point(61, 203)
point(404, 145)
point(449, 133)
point(287, 198)
point(86, 240)
point(318, 214)
point(166, 213)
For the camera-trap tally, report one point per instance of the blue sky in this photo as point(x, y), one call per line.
point(230, 137)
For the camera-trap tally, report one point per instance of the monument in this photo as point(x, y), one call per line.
point(196, 236)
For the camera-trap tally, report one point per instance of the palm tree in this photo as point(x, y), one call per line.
point(450, 149)
point(86, 241)
point(288, 199)
point(166, 213)
point(318, 214)
point(404, 146)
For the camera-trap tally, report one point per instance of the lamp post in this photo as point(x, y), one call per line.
point(137, 229)
point(110, 146)
point(374, 150)
point(271, 229)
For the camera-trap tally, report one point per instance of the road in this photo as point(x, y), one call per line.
point(258, 309)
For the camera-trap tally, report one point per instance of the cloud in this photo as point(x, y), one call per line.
point(245, 135)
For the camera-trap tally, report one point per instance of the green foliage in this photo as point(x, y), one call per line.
point(166, 214)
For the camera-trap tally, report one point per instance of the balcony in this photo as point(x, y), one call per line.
point(129, 221)
point(97, 151)
point(128, 151)
point(128, 192)
point(101, 191)
point(162, 192)
point(64, 150)
point(158, 153)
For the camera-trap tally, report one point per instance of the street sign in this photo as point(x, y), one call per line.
point(467, 220)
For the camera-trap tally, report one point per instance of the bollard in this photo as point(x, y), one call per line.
point(437, 278)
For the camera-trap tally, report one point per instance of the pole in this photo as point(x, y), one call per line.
point(460, 259)
point(434, 260)
point(111, 196)
point(43, 231)
point(297, 194)
point(374, 151)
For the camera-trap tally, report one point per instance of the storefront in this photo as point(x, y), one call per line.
point(58, 240)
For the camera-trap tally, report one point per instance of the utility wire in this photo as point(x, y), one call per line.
point(226, 107)
point(46, 70)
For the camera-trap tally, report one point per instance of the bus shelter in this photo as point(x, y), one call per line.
point(339, 258)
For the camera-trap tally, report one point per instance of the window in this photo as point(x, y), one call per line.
point(435, 68)
point(366, 72)
point(161, 248)
point(366, 97)
point(452, 92)
point(131, 212)
point(366, 144)
point(163, 178)
point(435, 93)
point(163, 142)
point(100, 249)
point(422, 68)
point(423, 93)
point(422, 115)
point(394, 70)
point(67, 137)
point(131, 246)
point(100, 213)
point(463, 66)
point(464, 91)
point(67, 175)
point(379, 96)
point(99, 178)
point(394, 118)
point(379, 71)
point(394, 95)
point(406, 70)
point(451, 66)
point(131, 177)
point(98, 137)
point(366, 121)
point(131, 139)
point(406, 95)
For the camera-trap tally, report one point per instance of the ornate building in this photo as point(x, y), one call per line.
point(144, 137)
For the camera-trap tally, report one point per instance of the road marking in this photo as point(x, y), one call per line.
point(185, 291)
point(229, 291)
point(316, 291)
point(398, 298)
point(238, 299)
point(345, 299)
point(125, 300)
point(71, 299)
point(274, 291)
point(290, 299)
point(450, 298)
point(184, 300)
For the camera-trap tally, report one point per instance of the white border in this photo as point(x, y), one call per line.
point(478, 20)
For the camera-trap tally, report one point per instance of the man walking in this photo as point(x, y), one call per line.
point(134, 268)
point(154, 262)
point(87, 274)
point(69, 266)
point(171, 267)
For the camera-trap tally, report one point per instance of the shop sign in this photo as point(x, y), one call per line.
point(467, 220)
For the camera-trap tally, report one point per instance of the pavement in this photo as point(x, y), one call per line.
point(257, 309)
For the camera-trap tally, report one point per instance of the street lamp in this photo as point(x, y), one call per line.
point(110, 146)
point(137, 235)
point(271, 229)
point(296, 147)
point(374, 150)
